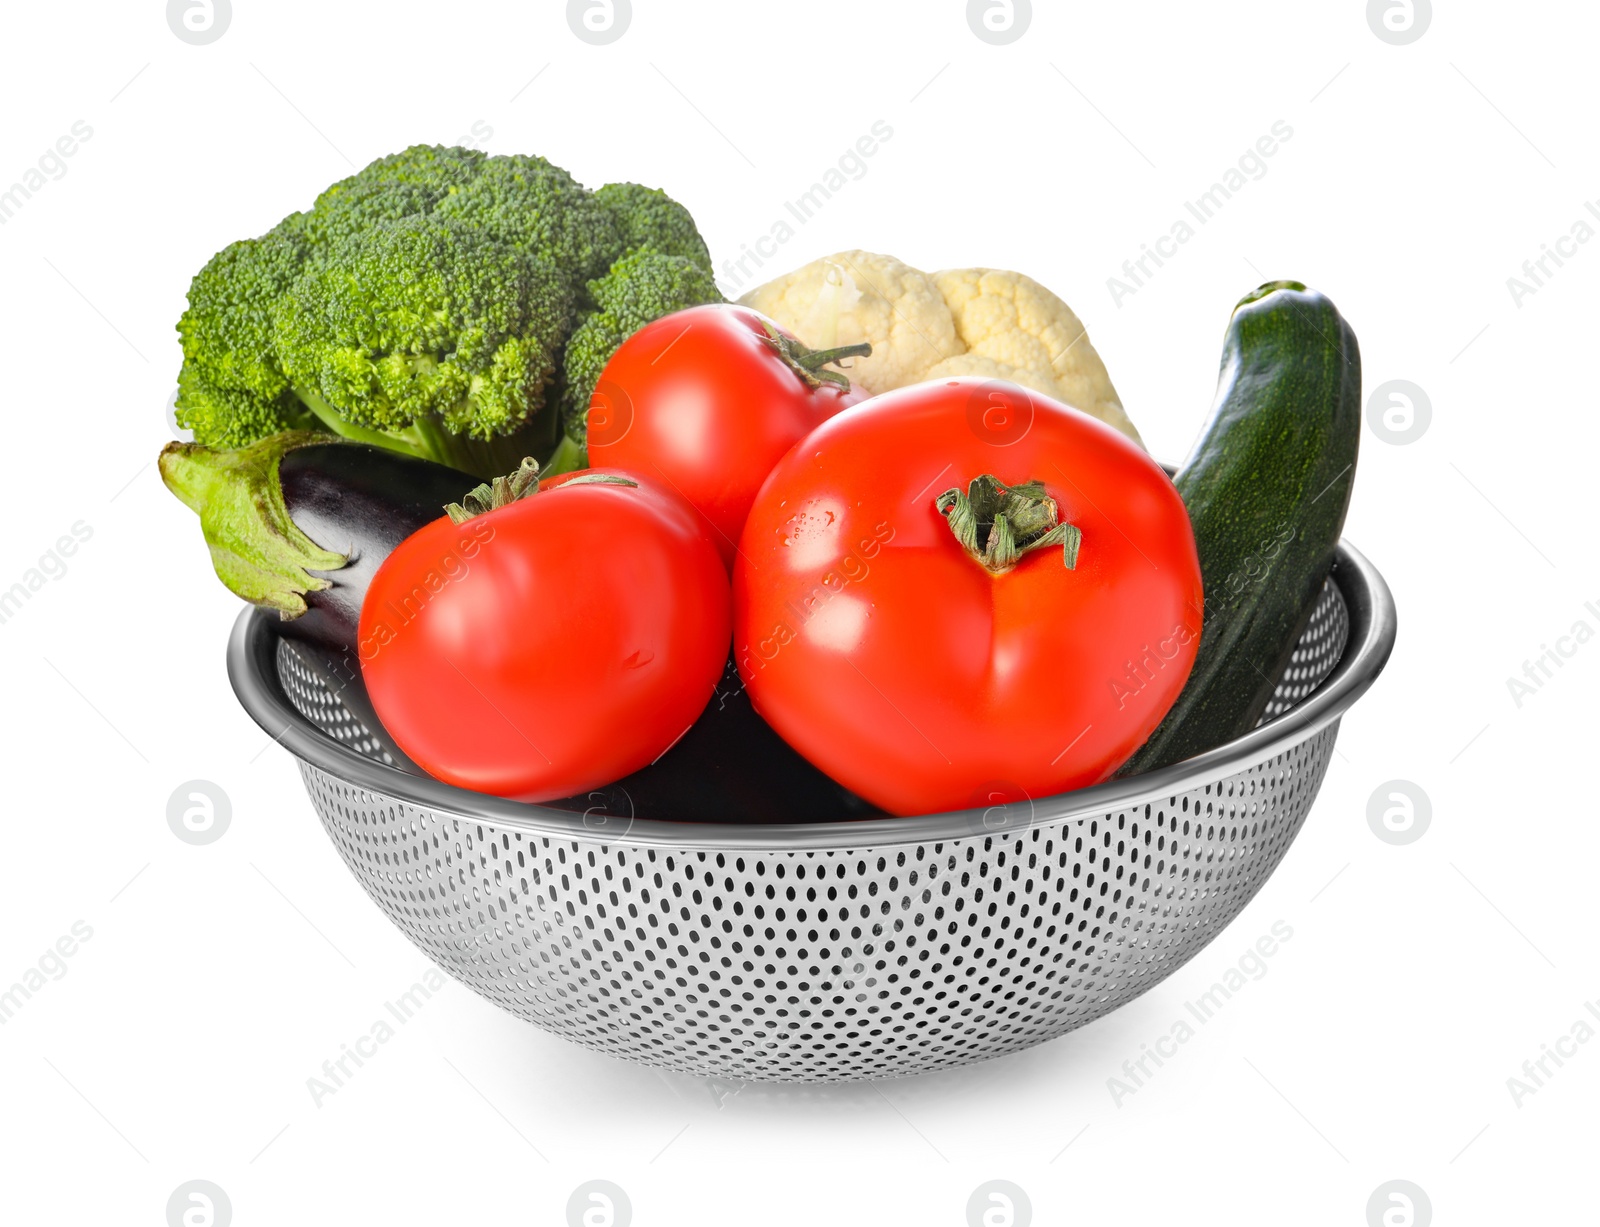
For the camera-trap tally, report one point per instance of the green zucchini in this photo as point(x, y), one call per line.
point(1267, 487)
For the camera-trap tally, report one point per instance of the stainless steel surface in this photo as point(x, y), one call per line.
point(825, 951)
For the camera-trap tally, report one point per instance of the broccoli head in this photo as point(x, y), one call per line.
point(423, 304)
point(420, 329)
point(639, 288)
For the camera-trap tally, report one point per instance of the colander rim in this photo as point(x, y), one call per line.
point(252, 671)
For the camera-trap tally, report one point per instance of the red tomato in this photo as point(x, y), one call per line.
point(905, 668)
point(549, 646)
point(703, 403)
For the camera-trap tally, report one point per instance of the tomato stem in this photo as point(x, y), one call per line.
point(997, 525)
point(503, 491)
point(808, 363)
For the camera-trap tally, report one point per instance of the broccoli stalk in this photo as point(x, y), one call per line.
point(427, 439)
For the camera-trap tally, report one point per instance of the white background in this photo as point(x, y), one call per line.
point(1419, 978)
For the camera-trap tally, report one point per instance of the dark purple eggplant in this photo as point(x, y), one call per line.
point(299, 522)
point(729, 767)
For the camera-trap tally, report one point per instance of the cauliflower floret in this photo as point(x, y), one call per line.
point(1013, 321)
point(858, 296)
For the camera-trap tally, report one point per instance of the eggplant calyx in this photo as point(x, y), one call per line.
point(257, 549)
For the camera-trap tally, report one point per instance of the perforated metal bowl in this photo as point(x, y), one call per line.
point(831, 951)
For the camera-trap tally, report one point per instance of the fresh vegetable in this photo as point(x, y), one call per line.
point(706, 400)
point(1267, 487)
point(971, 321)
point(535, 644)
point(424, 305)
point(299, 522)
point(940, 616)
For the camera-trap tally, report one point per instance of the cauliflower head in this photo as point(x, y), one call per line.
point(969, 321)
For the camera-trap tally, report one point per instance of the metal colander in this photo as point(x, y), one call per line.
point(821, 952)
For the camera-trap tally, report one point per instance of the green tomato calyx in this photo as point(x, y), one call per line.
point(997, 524)
point(809, 363)
point(503, 491)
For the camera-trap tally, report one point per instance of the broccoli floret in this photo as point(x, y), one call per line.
point(231, 390)
point(422, 324)
point(422, 304)
point(542, 209)
point(413, 181)
point(648, 219)
point(639, 288)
